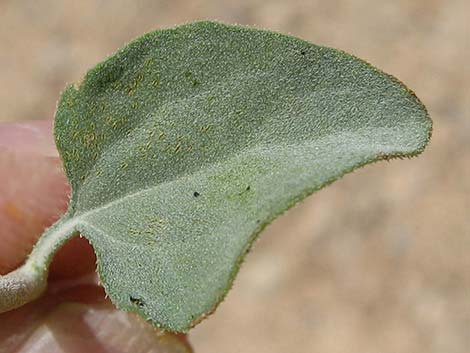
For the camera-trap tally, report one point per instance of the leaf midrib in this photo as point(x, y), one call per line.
point(210, 166)
point(136, 130)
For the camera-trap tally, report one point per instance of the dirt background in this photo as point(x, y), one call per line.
point(377, 262)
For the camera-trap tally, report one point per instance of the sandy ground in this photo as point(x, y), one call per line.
point(377, 262)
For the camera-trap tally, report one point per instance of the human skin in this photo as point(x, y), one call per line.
point(74, 314)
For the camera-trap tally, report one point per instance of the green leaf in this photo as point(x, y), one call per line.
point(184, 145)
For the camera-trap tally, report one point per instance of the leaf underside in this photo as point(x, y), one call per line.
point(184, 145)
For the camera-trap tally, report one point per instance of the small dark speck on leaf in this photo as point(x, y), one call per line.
point(196, 194)
point(303, 52)
point(136, 301)
point(190, 76)
point(248, 188)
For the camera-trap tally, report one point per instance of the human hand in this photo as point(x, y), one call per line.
point(74, 315)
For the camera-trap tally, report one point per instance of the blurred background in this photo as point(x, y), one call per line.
point(377, 262)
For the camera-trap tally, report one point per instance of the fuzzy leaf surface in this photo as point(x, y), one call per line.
point(183, 145)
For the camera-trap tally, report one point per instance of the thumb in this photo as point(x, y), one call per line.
point(71, 317)
point(33, 195)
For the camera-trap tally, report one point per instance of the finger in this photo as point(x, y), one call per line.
point(33, 195)
point(80, 319)
point(31, 137)
point(75, 259)
point(72, 316)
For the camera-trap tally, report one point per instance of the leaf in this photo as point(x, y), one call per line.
point(184, 145)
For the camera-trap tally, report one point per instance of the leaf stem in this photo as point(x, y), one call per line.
point(21, 286)
point(29, 281)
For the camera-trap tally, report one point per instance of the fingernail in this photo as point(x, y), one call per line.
point(34, 137)
point(76, 327)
